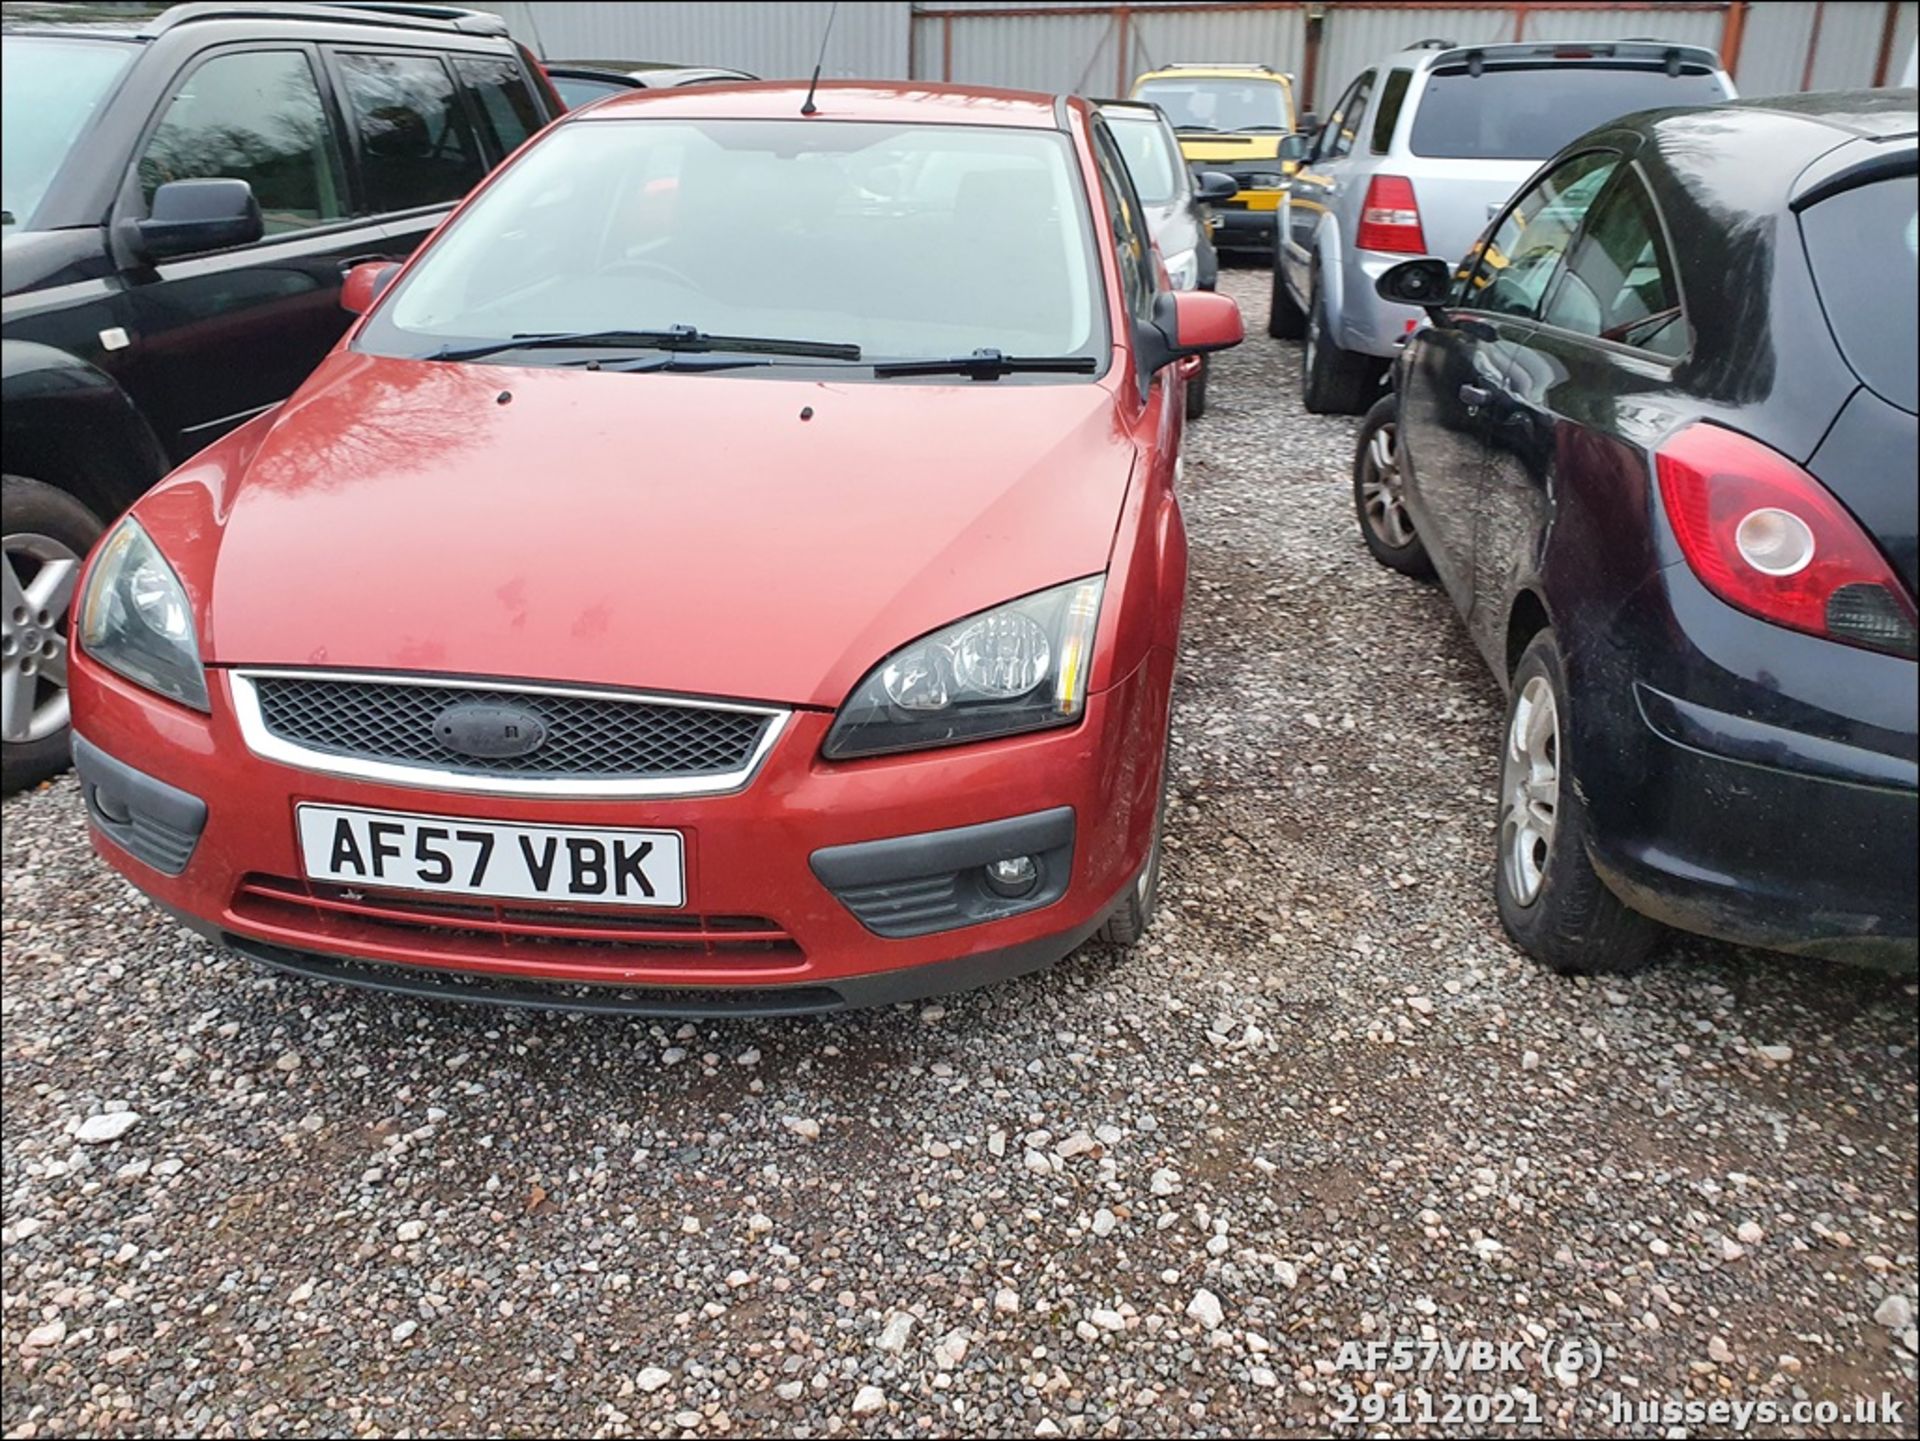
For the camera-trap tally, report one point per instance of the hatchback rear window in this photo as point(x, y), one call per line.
point(1864, 244)
point(1527, 112)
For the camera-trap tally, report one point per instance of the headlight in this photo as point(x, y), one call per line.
point(1183, 269)
point(1019, 667)
point(135, 619)
point(1262, 180)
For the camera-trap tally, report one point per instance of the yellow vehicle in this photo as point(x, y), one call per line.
point(1231, 118)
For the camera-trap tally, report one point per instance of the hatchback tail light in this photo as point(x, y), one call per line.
point(1765, 536)
point(1390, 218)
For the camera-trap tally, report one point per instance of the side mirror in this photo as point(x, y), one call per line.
point(191, 216)
point(1188, 322)
point(1212, 185)
point(1425, 282)
point(1296, 147)
point(364, 283)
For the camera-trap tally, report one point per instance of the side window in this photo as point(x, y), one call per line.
point(1619, 282)
point(1344, 122)
point(1393, 95)
point(416, 147)
point(1131, 240)
point(255, 116)
point(1522, 257)
point(506, 104)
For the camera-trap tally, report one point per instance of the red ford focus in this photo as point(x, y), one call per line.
point(736, 566)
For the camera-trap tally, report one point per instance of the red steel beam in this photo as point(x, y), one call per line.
point(1884, 63)
point(1732, 32)
point(1123, 32)
point(1813, 45)
point(946, 47)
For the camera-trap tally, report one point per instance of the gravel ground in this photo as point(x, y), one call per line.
point(1325, 1102)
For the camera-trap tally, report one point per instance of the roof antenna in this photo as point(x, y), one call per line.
point(809, 107)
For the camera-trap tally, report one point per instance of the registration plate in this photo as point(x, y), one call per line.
point(455, 856)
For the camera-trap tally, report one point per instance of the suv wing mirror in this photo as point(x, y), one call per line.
point(1297, 146)
point(1214, 185)
point(191, 216)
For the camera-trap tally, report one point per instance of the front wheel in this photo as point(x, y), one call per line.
point(47, 533)
point(1379, 493)
point(1285, 320)
point(1197, 390)
point(1551, 900)
point(1130, 919)
point(1332, 381)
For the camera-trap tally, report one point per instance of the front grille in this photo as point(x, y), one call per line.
point(474, 930)
point(598, 737)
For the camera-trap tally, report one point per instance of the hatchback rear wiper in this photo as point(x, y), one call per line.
point(985, 365)
point(674, 337)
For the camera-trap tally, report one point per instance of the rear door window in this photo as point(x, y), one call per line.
point(415, 142)
point(256, 116)
point(1619, 284)
point(1393, 95)
point(1337, 139)
point(1522, 257)
point(1526, 112)
point(506, 104)
point(1864, 245)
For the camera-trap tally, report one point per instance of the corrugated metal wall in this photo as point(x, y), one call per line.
point(777, 39)
point(1097, 48)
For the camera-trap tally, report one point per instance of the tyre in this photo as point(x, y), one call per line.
point(1332, 381)
point(1130, 919)
point(1197, 390)
point(47, 534)
point(1379, 496)
point(1551, 900)
point(1285, 320)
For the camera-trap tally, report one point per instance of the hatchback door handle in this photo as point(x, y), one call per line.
point(1475, 396)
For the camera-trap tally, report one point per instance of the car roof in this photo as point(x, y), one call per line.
point(916, 104)
point(398, 16)
point(1867, 114)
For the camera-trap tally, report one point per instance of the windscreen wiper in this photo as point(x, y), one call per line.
point(986, 364)
point(672, 362)
point(674, 337)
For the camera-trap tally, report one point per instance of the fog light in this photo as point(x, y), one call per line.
point(1013, 877)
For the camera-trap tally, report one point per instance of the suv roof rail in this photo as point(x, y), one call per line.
point(1432, 42)
point(1254, 66)
point(341, 12)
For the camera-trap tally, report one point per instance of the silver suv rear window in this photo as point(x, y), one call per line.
point(1527, 112)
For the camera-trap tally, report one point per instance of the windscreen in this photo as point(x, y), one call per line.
point(1153, 160)
point(49, 91)
point(910, 241)
point(1864, 245)
point(1220, 104)
point(1527, 112)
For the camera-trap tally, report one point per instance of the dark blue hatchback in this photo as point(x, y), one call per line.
point(1659, 443)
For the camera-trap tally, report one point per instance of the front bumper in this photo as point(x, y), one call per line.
point(763, 930)
point(1239, 230)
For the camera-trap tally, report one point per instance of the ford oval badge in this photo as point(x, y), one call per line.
point(486, 730)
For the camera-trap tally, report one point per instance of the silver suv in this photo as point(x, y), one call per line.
point(1418, 154)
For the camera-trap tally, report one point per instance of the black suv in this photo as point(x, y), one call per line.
point(181, 203)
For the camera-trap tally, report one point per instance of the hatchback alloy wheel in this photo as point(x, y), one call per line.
point(37, 574)
point(1530, 790)
point(1386, 506)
